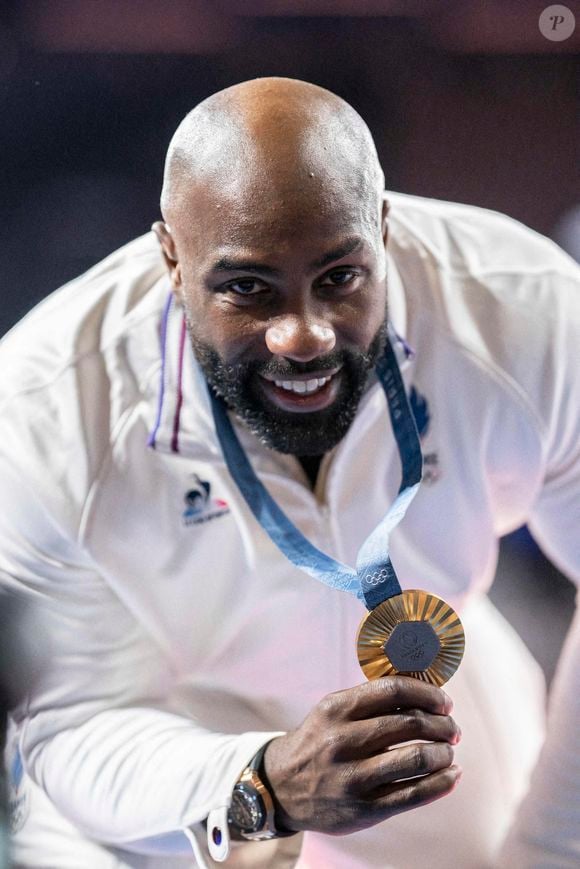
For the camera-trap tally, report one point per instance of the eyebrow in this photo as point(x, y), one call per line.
point(348, 246)
point(227, 264)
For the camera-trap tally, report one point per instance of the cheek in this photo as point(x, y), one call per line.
point(378, 308)
point(224, 328)
point(360, 320)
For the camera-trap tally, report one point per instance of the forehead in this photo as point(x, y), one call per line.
point(275, 216)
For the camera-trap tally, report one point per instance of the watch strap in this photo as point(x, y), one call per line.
point(257, 764)
point(255, 775)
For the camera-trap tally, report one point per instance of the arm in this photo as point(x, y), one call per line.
point(547, 828)
point(96, 733)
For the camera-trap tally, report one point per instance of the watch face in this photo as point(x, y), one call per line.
point(247, 813)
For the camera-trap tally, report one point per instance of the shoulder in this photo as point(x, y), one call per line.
point(72, 370)
point(473, 241)
point(498, 299)
point(82, 317)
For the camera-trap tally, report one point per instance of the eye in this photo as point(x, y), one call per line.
point(246, 286)
point(339, 278)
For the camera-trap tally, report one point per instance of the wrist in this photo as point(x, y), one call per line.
point(252, 811)
point(282, 821)
point(280, 777)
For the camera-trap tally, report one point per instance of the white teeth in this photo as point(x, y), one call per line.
point(302, 386)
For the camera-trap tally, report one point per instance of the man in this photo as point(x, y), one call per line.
point(183, 640)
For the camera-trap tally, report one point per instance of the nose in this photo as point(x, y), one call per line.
point(301, 341)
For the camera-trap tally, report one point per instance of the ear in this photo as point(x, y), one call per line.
point(384, 219)
point(169, 251)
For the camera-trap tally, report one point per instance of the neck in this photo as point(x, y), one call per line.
point(311, 465)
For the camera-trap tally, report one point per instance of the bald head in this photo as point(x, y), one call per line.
point(279, 138)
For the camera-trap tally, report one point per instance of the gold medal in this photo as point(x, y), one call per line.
point(413, 633)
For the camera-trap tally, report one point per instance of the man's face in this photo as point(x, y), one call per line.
point(285, 301)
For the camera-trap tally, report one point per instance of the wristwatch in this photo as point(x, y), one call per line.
point(251, 813)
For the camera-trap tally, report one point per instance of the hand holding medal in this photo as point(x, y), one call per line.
point(410, 632)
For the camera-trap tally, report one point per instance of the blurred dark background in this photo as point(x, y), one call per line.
point(467, 101)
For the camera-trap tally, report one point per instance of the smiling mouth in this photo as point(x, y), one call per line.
point(302, 387)
point(308, 393)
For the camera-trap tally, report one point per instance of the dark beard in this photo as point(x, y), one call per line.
point(300, 434)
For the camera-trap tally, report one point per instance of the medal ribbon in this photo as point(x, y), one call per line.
point(374, 579)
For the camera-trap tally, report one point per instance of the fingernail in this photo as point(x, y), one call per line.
point(456, 736)
point(448, 703)
point(457, 770)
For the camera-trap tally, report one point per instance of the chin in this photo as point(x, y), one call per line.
point(304, 434)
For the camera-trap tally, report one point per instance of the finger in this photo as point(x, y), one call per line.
point(403, 796)
point(406, 762)
point(381, 696)
point(363, 738)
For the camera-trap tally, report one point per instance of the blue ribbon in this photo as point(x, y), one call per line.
point(374, 579)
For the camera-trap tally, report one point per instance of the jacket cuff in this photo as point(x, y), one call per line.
point(213, 845)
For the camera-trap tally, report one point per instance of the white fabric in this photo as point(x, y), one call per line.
point(181, 646)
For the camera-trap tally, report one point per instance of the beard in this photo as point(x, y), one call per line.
point(299, 434)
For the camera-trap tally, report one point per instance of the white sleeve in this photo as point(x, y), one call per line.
point(96, 733)
point(547, 829)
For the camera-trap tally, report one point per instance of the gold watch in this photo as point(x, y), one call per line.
point(251, 813)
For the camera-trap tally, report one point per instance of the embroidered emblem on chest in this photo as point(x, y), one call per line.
point(199, 505)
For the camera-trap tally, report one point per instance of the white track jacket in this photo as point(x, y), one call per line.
point(182, 639)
